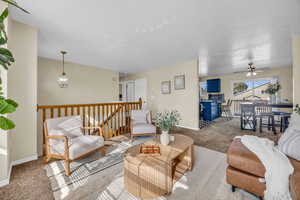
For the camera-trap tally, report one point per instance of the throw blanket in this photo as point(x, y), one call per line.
point(278, 166)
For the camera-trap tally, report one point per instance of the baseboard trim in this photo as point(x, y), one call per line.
point(24, 160)
point(14, 163)
point(4, 182)
point(7, 180)
point(192, 128)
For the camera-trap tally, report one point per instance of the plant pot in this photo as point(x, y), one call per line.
point(165, 138)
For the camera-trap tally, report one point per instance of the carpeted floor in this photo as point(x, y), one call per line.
point(29, 180)
point(219, 134)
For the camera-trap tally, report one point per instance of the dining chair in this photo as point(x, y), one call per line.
point(248, 117)
point(266, 117)
point(226, 109)
point(283, 120)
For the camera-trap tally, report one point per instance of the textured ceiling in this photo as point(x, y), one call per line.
point(137, 35)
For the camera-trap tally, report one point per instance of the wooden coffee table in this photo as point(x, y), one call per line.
point(153, 176)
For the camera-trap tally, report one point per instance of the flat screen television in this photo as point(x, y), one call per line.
point(214, 85)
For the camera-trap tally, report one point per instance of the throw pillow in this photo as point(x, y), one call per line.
point(139, 116)
point(295, 121)
point(289, 143)
point(72, 125)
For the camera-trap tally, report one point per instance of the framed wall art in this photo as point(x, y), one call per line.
point(166, 87)
point(179, 82)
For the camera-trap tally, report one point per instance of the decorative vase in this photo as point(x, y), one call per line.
point(277, 96)
point(273, 99)
point(165, 138)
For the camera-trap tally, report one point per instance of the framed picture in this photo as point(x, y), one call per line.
point(179, 82)
point(166, 87)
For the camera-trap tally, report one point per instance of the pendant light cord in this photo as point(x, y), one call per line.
point(63, 61)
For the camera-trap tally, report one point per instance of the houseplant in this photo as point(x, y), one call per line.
point(165, 121)
point(272, 90)
point(297, 109)
point(6, 59)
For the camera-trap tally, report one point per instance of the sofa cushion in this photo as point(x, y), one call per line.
point(79, 145)
point(143, 128)
point(245, 181)
point(240, 157)
point(295, 185)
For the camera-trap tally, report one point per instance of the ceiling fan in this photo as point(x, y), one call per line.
point(252, 70)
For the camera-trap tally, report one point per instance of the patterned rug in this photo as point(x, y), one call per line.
point(83, 168)
point(102, 178)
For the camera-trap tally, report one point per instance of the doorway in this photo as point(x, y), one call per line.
point(132, 90)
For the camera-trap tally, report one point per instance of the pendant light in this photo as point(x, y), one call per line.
point(63, 79)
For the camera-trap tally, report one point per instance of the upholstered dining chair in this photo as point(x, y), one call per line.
point(65, 139)
point(226, 109)
point(266, 118)
point(141, 123)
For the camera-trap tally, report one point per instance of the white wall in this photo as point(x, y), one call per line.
point(296, 68)
point(86, 84)
point(22, 87)
point(185, 101)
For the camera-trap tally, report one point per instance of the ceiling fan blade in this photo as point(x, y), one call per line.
point(237, 72)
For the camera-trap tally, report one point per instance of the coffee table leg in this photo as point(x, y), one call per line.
point(189, 157)
point(169, 178)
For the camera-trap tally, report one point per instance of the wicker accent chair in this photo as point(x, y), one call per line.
point(65, 139)
point(141, 124)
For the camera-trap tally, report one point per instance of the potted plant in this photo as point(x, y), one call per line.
point(6, 59)
point(297, 109)
point(165, 121)
point(272, 90)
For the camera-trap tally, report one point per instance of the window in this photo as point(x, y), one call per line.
point(251, 89)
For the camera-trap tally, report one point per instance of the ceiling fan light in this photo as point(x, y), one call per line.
point(248, 74)
point(254, 73)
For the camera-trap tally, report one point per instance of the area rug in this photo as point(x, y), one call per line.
point(88, 166)
point(206, 181)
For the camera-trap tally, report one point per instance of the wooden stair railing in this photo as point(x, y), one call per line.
point(113, 118)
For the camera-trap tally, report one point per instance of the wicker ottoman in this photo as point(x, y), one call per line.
point(153, 176)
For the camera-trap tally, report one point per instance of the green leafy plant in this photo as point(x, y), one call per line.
point(167, 119)
point(272, 89)
point(239, 87)
point(297, 109)
point(6, 59)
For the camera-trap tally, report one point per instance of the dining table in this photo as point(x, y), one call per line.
point(249, 123)
point(275, 105)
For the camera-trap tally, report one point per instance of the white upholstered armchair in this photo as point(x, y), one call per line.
point(141, 123)
point(65, 139)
